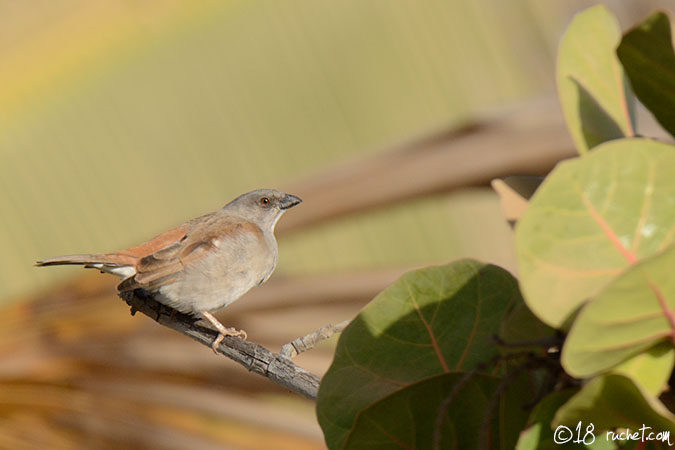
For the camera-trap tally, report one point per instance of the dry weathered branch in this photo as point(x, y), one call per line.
point(307, 342)
point(254, 357)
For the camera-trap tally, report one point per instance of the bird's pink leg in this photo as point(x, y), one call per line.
point(222, 331)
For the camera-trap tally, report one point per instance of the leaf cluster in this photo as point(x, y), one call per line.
point(466, 356)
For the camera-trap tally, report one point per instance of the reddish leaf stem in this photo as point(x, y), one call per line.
point(630, 257)
point(664, 306)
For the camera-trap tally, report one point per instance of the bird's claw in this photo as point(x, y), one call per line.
point(227, 332)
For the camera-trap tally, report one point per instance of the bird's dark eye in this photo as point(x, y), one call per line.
point(264, 201)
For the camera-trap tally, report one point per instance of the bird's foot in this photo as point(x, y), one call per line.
point(227, 332)
point(222, 331)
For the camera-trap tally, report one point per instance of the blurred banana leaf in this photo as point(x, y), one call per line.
point(119, 120)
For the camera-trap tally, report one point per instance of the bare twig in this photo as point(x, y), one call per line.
point(254, 357)
point(307, 342)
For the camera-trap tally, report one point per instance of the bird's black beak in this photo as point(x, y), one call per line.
point(289, 201)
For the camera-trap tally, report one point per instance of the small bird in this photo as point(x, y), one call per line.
point(204, 264)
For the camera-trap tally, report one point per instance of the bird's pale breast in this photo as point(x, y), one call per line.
point(236, 264)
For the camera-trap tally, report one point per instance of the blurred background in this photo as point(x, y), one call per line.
point(120, 120)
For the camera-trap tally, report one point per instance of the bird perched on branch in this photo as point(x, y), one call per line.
point(204, 264)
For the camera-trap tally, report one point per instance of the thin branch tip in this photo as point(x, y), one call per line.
point(309, 341)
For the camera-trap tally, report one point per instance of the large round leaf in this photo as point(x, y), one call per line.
point(539, 435)
point(449, 411)
point(614, 401)
point(595, 98)
point(647, 54)
point(431, 321)
point(590, 220)
point(651, 370)
point(632, 314)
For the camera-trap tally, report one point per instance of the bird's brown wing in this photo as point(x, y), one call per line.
point(128, 257)
point(159, 243)
point(166, 264)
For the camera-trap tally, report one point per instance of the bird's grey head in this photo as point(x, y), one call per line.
point(262, 206)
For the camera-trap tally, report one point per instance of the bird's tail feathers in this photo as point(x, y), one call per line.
point(118, 264)
point(74, 259)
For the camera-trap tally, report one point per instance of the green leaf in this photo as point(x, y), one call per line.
point(614, 401)
point(431, 321)
point(590, 220)
point(447, 411)
point(521, 326)
point(650, 370)
point(632, 314)
point(596, 100)
point(647, 55)
point(539, 435)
